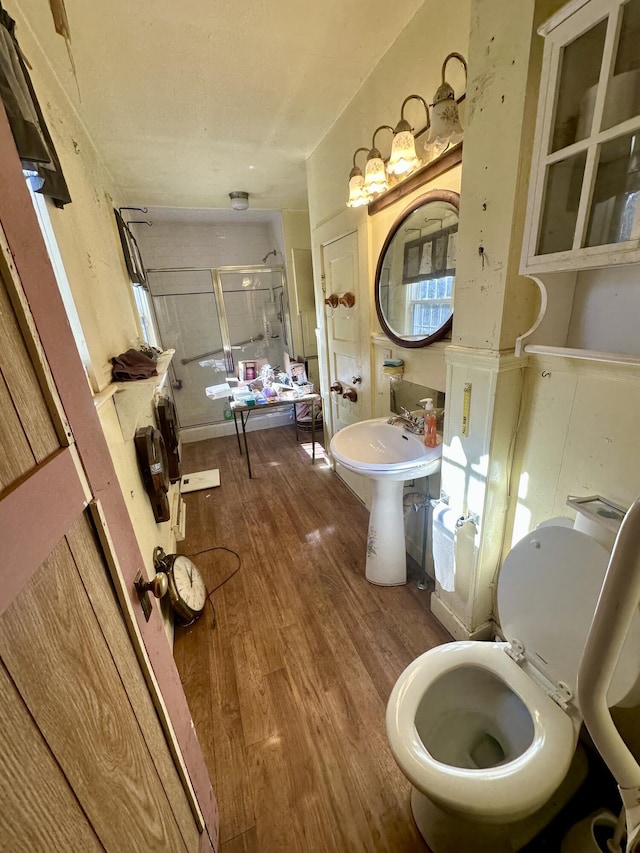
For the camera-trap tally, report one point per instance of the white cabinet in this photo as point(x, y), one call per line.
point(584, 196)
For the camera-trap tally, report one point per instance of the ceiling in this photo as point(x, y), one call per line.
point(188, 101)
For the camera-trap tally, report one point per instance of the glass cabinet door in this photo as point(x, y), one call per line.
point(580, 64)
point(588, 180)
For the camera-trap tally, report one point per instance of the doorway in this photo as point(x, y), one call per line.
point(214, 319)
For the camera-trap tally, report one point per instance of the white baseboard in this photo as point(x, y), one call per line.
point(454, 626)
point(256, 421)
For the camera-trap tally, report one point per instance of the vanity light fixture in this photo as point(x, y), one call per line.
point(445, 129)
point(239, 199)
point(357, 193)
point(375, 176)
point(403, 159)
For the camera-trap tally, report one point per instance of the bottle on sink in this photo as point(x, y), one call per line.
point(430, 436)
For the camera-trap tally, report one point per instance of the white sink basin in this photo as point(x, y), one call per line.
point(386, 451)
point(388, 455)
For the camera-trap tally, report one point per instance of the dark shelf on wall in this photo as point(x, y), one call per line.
point(452, 157)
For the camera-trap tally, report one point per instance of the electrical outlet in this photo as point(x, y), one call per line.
point(387, 353)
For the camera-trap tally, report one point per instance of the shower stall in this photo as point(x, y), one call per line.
point(213, 319)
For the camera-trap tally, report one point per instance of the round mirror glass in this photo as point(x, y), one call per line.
point(416, 271)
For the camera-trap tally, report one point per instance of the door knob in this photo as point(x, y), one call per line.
point(332, 300)
point(336, 387)
point(351, 394)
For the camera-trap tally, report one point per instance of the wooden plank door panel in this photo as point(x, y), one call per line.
point(34, 793)
point(55, 652)
point(82, 745)
point(32, 289)
point(88, 557)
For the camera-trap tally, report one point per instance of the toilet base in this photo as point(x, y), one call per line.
point(445, 832)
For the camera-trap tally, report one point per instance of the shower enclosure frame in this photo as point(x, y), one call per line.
point(227, 345)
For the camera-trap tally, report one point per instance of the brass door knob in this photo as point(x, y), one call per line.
point(351, 394)
point(332, 300)
point(336, 387)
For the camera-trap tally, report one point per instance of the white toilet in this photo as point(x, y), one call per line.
point(486, 732)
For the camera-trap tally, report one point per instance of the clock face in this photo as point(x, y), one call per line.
point(189, 584)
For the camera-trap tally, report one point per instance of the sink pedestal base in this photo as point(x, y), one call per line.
point(386, 557)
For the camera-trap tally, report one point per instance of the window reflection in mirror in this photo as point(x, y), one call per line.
point(416, 271)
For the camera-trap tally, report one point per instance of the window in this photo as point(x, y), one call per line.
point(143, 304)
point(430, 302)
point(44, 220)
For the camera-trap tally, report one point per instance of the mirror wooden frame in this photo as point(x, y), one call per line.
point(448, 196)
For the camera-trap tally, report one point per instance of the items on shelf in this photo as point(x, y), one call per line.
point(393, 366)
point(271, 385)
point(132, 365)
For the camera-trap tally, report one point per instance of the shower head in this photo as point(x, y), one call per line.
point(273, 252)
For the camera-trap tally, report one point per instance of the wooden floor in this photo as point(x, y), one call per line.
point(288, 691)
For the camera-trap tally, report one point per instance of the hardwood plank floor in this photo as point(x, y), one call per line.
point(288, 691)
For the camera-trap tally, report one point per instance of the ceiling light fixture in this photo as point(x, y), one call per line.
point(445, 129)
point(239, 200)
point(403, 159)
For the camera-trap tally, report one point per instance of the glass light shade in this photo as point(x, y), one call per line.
point(357, 193)
point(239, 199)
point(432, 150)
point(375, 178)
point(403, 159)
point(445, 122)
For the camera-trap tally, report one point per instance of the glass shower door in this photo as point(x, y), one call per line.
point(257, 315)
point(189, 321)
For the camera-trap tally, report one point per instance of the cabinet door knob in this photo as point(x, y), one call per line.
point(350, 394)
point(347, 299)
point(332, 300)
point(336, 387)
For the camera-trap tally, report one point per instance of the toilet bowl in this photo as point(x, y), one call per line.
point(486, 732)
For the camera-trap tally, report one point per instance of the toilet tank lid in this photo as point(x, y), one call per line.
point(548, 588)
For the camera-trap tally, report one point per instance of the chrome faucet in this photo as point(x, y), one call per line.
point(408, 421)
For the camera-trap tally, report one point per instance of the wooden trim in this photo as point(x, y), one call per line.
point(206, 845)
point(32, 341)
point(446, 161)
point(52, 490)
point(20, 224)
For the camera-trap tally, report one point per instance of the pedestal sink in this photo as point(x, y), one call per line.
point(389, 455)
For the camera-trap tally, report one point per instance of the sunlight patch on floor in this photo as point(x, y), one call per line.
point(318, 535)
point(307, 446)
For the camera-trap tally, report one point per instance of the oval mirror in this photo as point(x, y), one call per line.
point(416, 271)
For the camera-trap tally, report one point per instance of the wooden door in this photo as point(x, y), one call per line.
point(340, 265)
point(90, 756)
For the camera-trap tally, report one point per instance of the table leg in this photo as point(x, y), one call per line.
point(244, 435)
point(235, 423)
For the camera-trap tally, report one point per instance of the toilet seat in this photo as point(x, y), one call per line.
point(513, 789)
point(548, 588)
